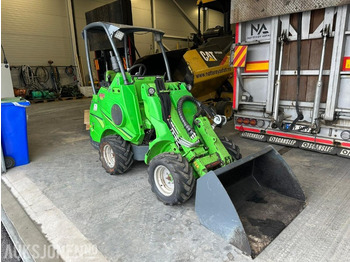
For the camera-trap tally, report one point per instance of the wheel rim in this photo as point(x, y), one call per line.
point(164, 180)
point(109, 156)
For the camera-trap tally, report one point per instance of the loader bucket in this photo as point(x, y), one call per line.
point(250, 201)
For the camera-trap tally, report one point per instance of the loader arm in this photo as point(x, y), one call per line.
point(206, 152)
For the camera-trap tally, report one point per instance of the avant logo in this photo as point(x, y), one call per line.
point(258, 29)
point(208, 56)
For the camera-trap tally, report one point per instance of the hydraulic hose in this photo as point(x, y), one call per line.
point(200, 108)
point(180, 103)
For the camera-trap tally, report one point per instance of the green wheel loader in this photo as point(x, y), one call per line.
point(150, 118)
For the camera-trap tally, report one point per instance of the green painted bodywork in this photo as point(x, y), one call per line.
point(142, 112)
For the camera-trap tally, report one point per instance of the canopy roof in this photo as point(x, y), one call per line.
point(112, 28)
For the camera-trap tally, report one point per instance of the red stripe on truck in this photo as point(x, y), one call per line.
point(255, 130)
point(345, 144)
point(299, 137)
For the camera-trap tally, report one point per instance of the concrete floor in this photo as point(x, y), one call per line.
point(8, 250)
point(75, 203)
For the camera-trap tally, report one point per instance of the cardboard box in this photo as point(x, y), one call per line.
point(87, 119)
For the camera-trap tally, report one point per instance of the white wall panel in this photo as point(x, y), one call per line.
point(37, 50)
point(35, 31)
point(141, 4)
point(141, 15)
point(215, 18)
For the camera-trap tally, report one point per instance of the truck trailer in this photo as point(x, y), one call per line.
point(294, 89)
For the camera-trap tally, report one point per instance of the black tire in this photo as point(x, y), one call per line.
point(9, 162)
point(182, 177)
point(233, 149)
point(224, 108)
point(94, 144)
point(115, 154)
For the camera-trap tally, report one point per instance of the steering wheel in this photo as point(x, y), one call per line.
point(141, 69)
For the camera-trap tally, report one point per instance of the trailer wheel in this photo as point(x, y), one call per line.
point(224, 108)
point(233, 149)
point(171, 178)
point(115, 154)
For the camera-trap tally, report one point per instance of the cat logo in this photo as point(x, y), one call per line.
point(208, 56)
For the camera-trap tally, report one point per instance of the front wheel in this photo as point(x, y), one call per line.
point(232, 149)
point(115, 154)
point(171, 178)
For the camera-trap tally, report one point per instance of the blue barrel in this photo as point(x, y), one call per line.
point(14, 140)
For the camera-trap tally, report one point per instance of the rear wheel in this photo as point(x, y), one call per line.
point(116, 155)
point(171, 178)
point(233, 149)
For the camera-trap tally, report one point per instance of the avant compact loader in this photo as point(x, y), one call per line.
point(152, 119)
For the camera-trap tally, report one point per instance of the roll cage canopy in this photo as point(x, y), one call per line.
point(119, 32)
point(113, 28)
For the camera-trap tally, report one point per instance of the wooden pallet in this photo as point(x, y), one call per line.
point(54, 99)
point(43, 100)
point(70, 98)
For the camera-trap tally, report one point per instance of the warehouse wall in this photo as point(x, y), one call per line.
point(35, 31)
point(170, 20)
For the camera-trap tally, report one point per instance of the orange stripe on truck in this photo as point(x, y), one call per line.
point(257, 66)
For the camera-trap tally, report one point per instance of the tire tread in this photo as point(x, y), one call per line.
point(124, 157)
point(233, 149)
point(183, 172)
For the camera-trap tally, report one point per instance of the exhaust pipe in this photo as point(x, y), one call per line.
point(250, 201)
